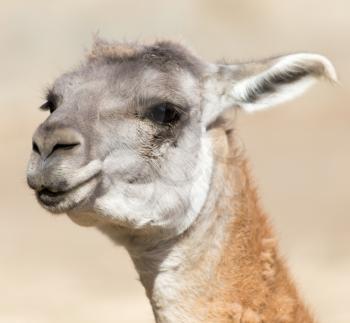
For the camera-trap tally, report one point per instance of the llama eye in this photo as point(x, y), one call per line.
point(164, 113)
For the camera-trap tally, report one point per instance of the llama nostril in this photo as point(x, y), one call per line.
point(35, 148)
point(47, 141)
point(64, 146)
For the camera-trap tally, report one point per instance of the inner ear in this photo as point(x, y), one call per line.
point(261, 84)
point(284, 78)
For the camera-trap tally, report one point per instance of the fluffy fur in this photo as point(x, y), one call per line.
point(177, 195)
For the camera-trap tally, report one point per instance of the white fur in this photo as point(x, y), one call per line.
point(83, 174)
point(285, 92)
point(169, 280)
point(215, 96)
point(153, 206)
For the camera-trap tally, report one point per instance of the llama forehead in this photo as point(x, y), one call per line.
point(164, 55)
point(124, 75)
point(125, 84)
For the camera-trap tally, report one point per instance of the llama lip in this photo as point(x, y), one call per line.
point(47, 192)
point(62, 191)
point(51, 198)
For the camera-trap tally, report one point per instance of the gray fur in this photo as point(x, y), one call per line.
point(99, 146)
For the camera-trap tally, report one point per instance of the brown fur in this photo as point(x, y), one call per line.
point(103, 49)
point(251, 283)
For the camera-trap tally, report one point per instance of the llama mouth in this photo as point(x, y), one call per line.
point(52, 199)
point(78, 186)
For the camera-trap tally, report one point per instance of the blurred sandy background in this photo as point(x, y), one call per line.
point(52, 271)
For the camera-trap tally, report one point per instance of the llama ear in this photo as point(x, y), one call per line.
point(258, 85)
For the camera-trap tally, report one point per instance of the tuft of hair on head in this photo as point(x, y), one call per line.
point(161, 54)
point(103, 49)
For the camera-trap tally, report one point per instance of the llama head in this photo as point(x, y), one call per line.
point(127, 138)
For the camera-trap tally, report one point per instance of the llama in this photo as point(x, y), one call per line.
point(140, 143)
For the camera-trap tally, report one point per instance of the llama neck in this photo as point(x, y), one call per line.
point(177, 273)
point(225, 267)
